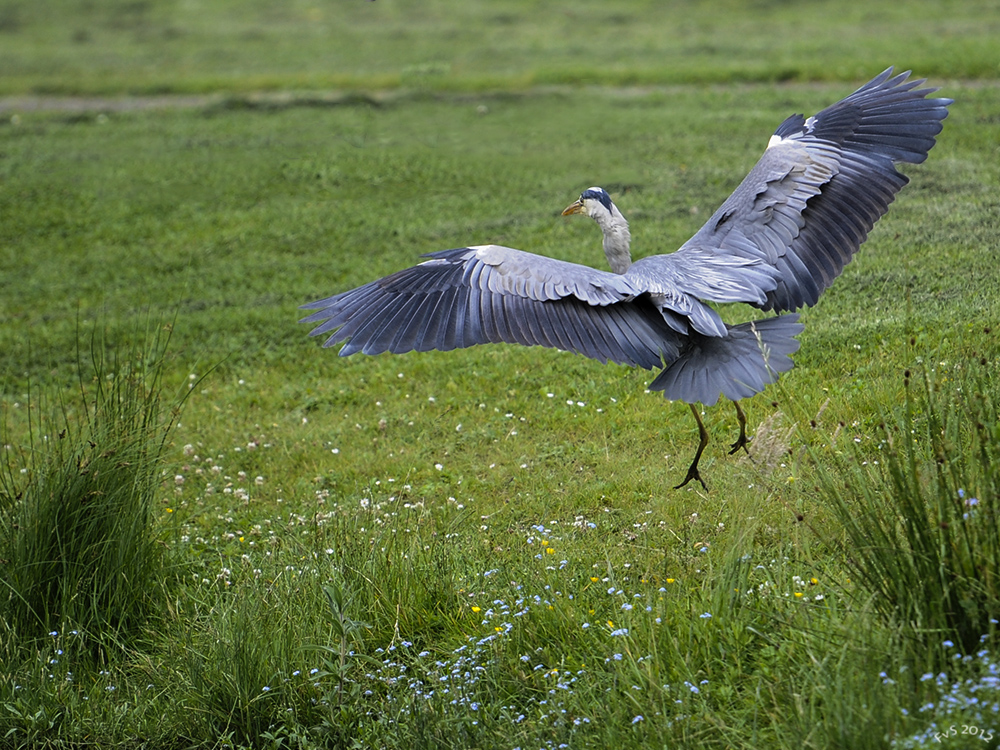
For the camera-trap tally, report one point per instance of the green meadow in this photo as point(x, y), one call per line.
point(192, 46)
point(215, 533)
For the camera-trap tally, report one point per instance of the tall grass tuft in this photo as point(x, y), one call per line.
point(921, 522)
point(77, 520)
point(243, 661)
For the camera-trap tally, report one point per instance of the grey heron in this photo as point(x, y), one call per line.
point(782, 238)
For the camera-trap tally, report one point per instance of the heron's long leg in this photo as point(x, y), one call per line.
point(741, 441)
point(693, 468)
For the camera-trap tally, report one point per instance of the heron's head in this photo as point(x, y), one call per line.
point(594, 202)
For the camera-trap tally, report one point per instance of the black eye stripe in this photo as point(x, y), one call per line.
point(597, 194)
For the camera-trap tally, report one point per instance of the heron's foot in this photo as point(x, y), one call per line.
point(741, 442)
point(693, 474)
point(703, 441)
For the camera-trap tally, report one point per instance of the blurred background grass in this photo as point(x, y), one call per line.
point(183, 46)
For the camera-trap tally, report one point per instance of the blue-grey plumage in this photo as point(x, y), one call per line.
point(739, 365)
point(776, 243)
point(491, 294)
point(821, 185)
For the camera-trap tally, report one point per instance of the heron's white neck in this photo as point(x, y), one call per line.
point(616, 239)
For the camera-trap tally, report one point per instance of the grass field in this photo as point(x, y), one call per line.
point(215, 533)
point(140, 46)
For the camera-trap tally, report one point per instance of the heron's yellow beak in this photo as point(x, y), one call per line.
point(574, 208)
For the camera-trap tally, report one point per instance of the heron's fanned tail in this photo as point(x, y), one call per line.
point(736, 366)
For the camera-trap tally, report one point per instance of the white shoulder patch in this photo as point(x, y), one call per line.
point(495, 255)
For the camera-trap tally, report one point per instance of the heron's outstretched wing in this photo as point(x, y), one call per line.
point(811, 200)
point(492, 294)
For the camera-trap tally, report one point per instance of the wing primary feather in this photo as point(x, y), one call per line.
point(603, 340)
point(444, 333)
point(381, 340)
point(409, 335)
point(537, 325)
point(463, 335)
point(504, 332)
point(512, 314)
